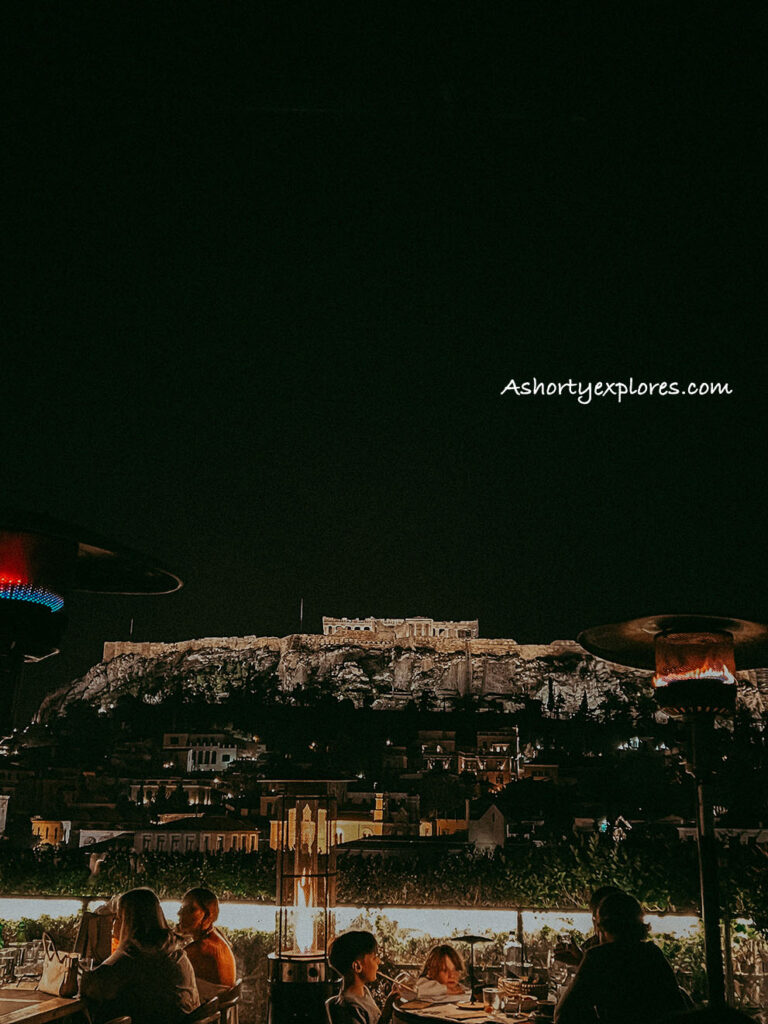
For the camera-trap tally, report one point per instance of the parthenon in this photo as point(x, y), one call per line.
point(417, 625)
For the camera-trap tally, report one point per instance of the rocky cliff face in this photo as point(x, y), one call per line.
point(382, 673)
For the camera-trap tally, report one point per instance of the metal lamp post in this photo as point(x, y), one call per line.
point(695, 658)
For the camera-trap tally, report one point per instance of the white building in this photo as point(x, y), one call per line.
point(198, 835)
point(147, 790)
point(417, 626)
point(199, 752)
point(89, 836)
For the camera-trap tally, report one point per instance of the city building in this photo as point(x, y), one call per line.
point(539, 772)
point(496, 759)
point(488, 828)
point(437, 748)
point(198, 752)
point(197, 793)
point(199, 835)
point(50, 831)
point(361, 816)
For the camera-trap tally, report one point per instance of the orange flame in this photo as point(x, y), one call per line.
point(304, 925)
point(721, 673)
point(696, 655)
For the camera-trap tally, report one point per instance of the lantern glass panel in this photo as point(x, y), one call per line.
point(306, 875)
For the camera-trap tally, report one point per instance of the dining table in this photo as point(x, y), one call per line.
point(28, 1006)
point(416, 1011)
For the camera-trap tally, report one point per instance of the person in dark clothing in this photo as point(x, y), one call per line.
point(571, 953)
point(149, 977)
point(625, 979)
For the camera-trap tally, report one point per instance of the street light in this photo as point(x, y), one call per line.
point(41, 561)
point(695, 658)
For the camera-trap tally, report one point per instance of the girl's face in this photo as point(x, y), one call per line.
point(446, 973)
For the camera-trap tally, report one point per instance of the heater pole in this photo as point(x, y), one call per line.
point(710, 897)
point(702, 743)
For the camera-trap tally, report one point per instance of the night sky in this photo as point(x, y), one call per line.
point(271, 266)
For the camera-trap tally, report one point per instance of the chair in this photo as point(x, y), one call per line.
point(119, 1020)
point(206, 1013)
point(228, 1011)
point(328, 1013)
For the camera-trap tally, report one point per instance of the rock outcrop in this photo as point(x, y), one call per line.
point(372, 671)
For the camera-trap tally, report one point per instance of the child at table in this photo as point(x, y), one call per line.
point(355, 956)
point(440, 974)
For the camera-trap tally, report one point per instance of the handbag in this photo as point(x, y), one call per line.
point(59, 977)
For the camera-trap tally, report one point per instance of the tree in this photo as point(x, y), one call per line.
point(584, 710)
point(550, 696)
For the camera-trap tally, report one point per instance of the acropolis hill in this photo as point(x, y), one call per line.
point(370, 669)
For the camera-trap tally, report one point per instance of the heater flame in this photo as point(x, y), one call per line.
point(722, 674)
point(304, 926)
point(690, 657)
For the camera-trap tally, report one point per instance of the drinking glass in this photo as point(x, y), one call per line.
point(491, 999)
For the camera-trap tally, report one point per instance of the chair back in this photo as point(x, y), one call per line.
point(119, 1020)
point(206, 1013)
point(228, 1011)
point(328, 1014)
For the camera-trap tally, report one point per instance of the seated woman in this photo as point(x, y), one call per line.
point(209, 952)
point(149, 977)
point(624, 979)
point(440, 974)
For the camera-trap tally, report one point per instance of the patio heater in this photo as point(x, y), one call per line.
point(41, 561)
point(300, 978)
point(695, 658)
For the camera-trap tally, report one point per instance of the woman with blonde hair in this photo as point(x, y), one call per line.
point(148, 977)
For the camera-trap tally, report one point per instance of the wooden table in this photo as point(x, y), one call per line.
point(415, 1012)
point(418, 1012)
point(22, 1006)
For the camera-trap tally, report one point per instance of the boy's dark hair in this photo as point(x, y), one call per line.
point(348, 947)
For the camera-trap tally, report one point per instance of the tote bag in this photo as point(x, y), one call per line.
point(59, 977)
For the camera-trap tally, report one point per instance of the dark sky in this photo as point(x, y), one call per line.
point(271, 266)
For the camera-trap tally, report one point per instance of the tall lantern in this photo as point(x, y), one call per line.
point(300, 977)
point(695, 658)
